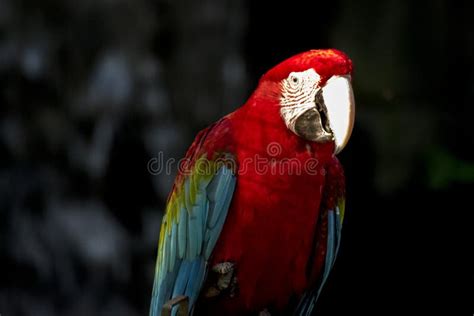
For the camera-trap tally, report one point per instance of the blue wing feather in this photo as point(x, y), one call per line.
point(214, 231)
point(194, 280)
point(182, 232)
point(329, 228)
point(173, 247)
point(221, 198)
point(217, 194)
point(330, 249)
point(187, 194)
point(308, 301)
point(182, 268)
point(182, 278)
point(192, 240)
point(338, 228)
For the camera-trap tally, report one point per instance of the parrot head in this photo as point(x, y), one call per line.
point(314, 94)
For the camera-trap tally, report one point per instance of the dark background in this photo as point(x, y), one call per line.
point(91, 90)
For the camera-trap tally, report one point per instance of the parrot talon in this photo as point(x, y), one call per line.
point(233, 287)
point(181, 301)
point(223, 267)
point(211, 291)
point(265, 312)
point(226, 272)
point(224, 280)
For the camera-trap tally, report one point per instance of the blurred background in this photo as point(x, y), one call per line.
point(90, 91)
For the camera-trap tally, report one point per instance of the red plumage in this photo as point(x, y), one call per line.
point(272, 233)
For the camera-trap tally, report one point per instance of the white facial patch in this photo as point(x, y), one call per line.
point(298, 95)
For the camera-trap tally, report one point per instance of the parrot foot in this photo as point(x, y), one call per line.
point(225, 271)
point(183, 306)
point(265, 312)
point(223, 267)
point(224, 280)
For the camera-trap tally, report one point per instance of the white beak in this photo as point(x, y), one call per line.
point(339, 101)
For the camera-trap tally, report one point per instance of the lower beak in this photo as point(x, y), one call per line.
point(340, 106)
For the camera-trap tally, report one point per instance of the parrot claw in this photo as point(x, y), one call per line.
point(223, 267)
point(265, 312)
point(183, 306)
point(225, 280)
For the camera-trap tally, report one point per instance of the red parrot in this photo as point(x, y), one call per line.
point(252, 225)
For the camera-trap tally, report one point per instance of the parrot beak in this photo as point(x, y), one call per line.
point(340, 106)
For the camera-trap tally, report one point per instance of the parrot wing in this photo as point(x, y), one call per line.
point(195, 214)
point(327, 237)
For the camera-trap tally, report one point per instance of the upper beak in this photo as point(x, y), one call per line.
point(340, 105)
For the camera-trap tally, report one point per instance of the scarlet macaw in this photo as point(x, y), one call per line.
point(253, 222)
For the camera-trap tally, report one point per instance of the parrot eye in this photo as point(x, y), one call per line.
point(294, 79)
